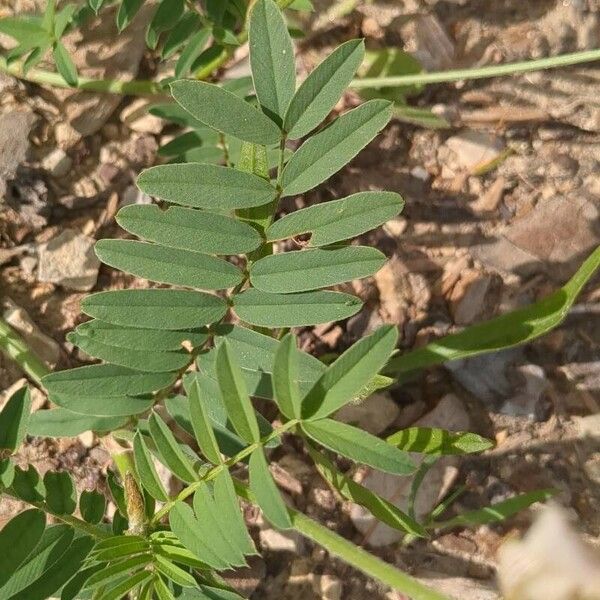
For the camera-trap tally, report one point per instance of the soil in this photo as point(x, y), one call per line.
point(478, 237)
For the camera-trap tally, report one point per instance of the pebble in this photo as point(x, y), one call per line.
point(374, 414)
point(58, 163)
point(137, 118)
point(280, 541)
point(68, 260)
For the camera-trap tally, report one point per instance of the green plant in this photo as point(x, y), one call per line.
point(172, 352)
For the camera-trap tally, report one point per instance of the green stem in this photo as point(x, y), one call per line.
point(151, 88)
point(526, 66)
point(212, 473)
point(15, 348)
point(352, 554)
point(79, 524)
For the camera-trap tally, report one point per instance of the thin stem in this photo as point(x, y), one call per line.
point(142, 87)
point(212, 473)
point(551, 62)
point(352, 554)
point(75, 522)
point(16, 348)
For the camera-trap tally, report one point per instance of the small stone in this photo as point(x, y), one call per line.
point(374, 414)
point(475, 297)
point(41, 344)
point(527, 402)
point(133, 195)
point(137, 118)
point(87, 439)
point(69, 260)
point(28, 264)
point(280, 541)
point(66, 137)
point(330, 587)
point(469, 149)
point(58, 163)
point(421, 173)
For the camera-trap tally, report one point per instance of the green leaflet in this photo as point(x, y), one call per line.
point(220, 109)
point(59, 422)
point(117, 570)
point(168, 265)
point(14, 418)
point(145, 468)
point(190, 53)
point(173, 572)
point(180, 34)
point(231, 516)
point(267, 495)
point(321, 90)
point(285, 378)
point(27, 484)
point(511, 329)
point(121, 589)
point(271, 58)
point(172, 455)
point(379, 507)
point(235, 395)
point(161, 590)
point(428, 440)
point(305, 270)
point(359, 446)
point(52, 545)
point(127, 10)
point(143, 360)
point(17, 539)
point(105, 380)
point(495, 512)
point(92, 505)
point(155, 309)
point(255, 353)
point(206, 186)
point(338, 220)
point(165, 18)
point(294, 310)
point(210, 518)
point(26, 30)
point(189, 229)
point(61, 497)
point(354, 369)
point(329, 150)
point(59, 573)
point(184, 143)
point(64, 64)
point(186, 527)
point(201, 423)
point(140, 339)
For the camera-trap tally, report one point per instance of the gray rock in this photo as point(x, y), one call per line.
point(69, 260)
point(14, 143)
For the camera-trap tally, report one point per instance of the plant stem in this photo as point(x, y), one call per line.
point(212, 473)
point(16, 348)
point(352, 554)
point(142, 87)
point(526, 66)
point(75, 522)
